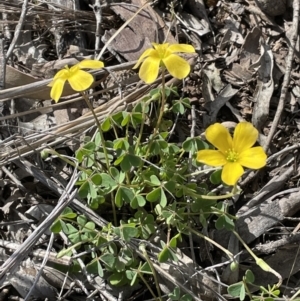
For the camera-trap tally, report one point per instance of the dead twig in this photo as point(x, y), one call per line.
point(18, 29)
point(97, 9)
point(12, 262)
point(287, 74)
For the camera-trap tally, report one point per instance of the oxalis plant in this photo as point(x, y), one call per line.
point(133, 173)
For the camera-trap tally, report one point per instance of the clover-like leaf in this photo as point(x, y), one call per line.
point(186, 297)
point(81, 220)
point(118, 279)
point(194, 144)
point(136, 119)
point(215, 177)
point(249, 276)
point(69, 229)
point(123, 194)
point(109, 260)
point(106, 124)
point(94, 267)
point(164, 255)
point(126, 118)
point(154, 195)
point(137, 201)
point(237, 290)
point(56, 226)
point(126, 231)
point(108, 183)
point(68, 213)
point(85, 150)
point(175, 295)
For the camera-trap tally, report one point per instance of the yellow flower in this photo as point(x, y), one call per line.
point(78, 79)
point(234, 153)
point(163, 55)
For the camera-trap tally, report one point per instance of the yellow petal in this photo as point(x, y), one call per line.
point(219, 137)
point(253, 158)
point(57, 88)
point(73, 70)
point(231, 173)
point(181, 48)
point(160, 47)
point(81, 80)
point(245, 135)
point(177, 66)
point(211, 157)
point(64, 73)
point(146, 53)
point(90, 64)
point(149, 69)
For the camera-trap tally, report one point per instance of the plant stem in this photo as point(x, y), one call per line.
point(143, 249)
point(163, 102)
point(161, 111)
point(137, 144)
point(208, 197)
point(104, 151)
point(247, 289)
point(70, 162)
point(261, 263)
point(99, 129)
point(228, 253)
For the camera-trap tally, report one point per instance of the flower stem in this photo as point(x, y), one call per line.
point(192, 193)
point(104, 151)
point(143, 249)
point(99, 129)
point(161, 111)
point(139, 139)
point(163, 101)
point(228, 253)
point(261, 263)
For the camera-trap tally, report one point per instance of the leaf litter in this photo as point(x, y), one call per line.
point(241, 73)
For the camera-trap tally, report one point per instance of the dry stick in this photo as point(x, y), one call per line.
point(97, 9)
point(50, 244)
point(287, 149)
point(40, 85)
point(18, 29)
point(38, 253)
point(6, 27)
point(287, 74)
point(193, 114)
point(11, 263)
point(2, 65)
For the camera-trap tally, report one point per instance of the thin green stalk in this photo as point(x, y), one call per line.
point(149, 287)
point(143, 249)
point(163, 102)
point(70, 162)
point(247, 289)
point(161, 111)
point(198, 172)
point(295, 295)
point(228, 253)
point(261, 263)
point(99, 129)
point(208, 197)
point(104, 151)
point(115, 131)
point(113, 206)
point(137, 144)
